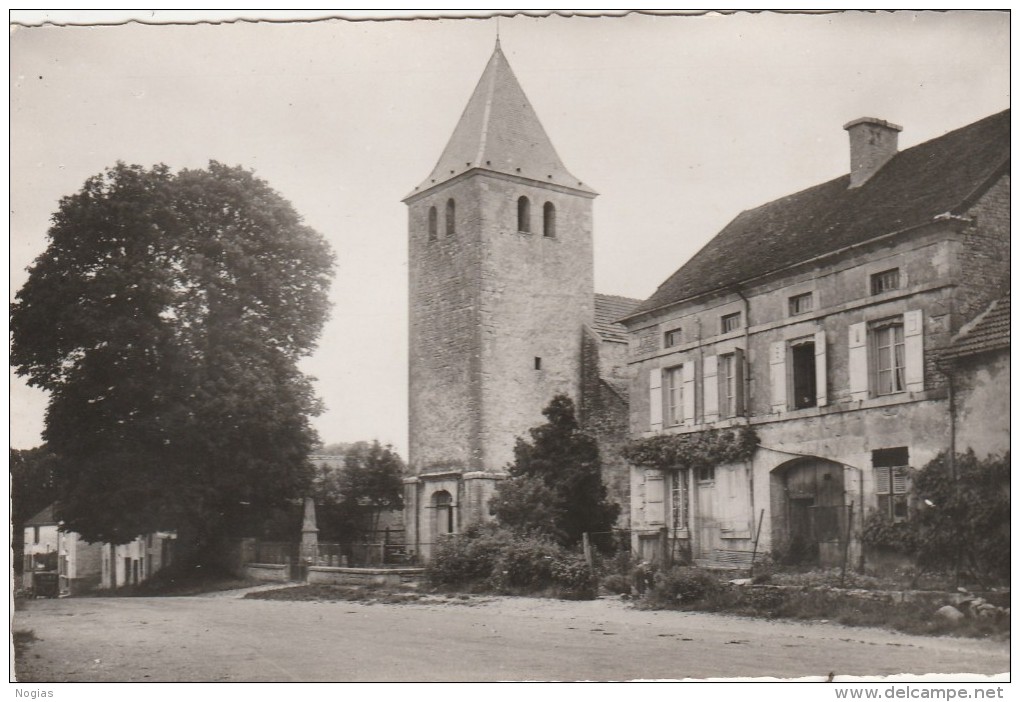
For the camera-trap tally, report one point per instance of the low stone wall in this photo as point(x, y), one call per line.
point(364, 576)
point(271, 572)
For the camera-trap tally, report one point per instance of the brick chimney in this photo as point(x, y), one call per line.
point(872, 143)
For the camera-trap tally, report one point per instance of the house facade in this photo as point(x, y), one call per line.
point(503, 314)
point(137, 561)
point(820, 322)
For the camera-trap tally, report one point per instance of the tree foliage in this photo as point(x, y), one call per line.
point(956, 521)
point(32, 489)
point(555, 485)
point(166, 319)
point(352, 498)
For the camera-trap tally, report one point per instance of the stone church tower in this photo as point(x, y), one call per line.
point(500, 251)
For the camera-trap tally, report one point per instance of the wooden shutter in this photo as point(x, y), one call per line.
point(777, 372)
point(655, 398)
point(858, 361)
point(821, 374)
point(913, 350)
point(739, 380)
point(710, 388)
point(688, 378)
point(654, 497)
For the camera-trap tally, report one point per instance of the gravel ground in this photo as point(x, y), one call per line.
point(221, 637)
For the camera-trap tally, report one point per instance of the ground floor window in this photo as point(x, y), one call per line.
point(891, 468)
point(680, 500)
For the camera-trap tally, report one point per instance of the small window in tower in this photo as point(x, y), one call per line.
point(549, 220)
point(451, 218)
point(433, 226)
point(524, 215)
point(538, 363)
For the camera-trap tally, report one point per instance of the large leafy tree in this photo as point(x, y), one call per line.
point(555, 484)
point(166, 319)
point(353, 497)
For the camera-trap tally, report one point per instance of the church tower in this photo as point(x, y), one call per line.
point(500, 258)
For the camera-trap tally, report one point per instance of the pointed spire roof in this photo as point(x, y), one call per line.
point(499, 131)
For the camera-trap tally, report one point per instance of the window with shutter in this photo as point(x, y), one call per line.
point(731, 384)
point(892, 482)
point(654, 497)
point(655, 398)
point(679, 499)
point(673, 381)
point(710, 388)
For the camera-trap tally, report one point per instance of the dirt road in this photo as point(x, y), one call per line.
point(227, 638)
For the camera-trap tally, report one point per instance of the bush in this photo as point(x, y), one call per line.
point(574, 579)
point(617, 584)
point(525, 562)
point(470, 557)
point(492, 558)
point(682, 585)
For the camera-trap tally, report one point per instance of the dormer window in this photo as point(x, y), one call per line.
point(885, 281)
point(524, 215)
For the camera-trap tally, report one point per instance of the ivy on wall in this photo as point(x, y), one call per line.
point(703, 449)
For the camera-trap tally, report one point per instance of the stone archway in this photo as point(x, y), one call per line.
point(809, 511)
point(443, 521)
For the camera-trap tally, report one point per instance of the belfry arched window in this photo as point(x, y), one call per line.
point(549, 220)
point(433, 224)
point(451, 218)
point(523, 214)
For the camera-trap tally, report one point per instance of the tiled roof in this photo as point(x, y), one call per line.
point(608, 309)
point(989, 331)
point(43, 517)
point(941, 176)
point(499, 131)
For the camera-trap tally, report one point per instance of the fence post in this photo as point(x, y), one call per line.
point(586, 545)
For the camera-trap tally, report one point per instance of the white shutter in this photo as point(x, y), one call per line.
point(821, 375)
point(858, 361)
point(777, 370)
point(654, 497)
point(655, 398)
point(913, 350)
point(710, 388)
point(688, 377)
point(899, 481)
point(881, 480)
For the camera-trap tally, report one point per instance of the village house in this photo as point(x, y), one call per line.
point(831, 324)
point(503, 313)
point(82, 566)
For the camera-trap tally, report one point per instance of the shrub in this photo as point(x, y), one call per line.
point(617, 584)
point(461, 559)
point(574, 579)
point(524, 562)
point(682, 585)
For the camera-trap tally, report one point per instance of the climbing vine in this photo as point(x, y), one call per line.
point(703, 449)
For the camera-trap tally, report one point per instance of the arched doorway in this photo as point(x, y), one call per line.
point(810, 513)
point(442, 513)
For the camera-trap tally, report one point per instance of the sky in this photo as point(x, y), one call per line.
point(679, 122)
